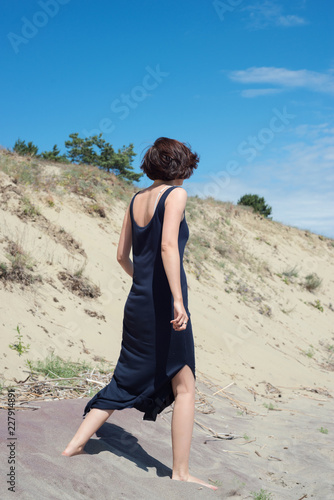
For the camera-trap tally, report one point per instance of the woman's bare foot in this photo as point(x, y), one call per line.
point(192, 479)
point(72, 450)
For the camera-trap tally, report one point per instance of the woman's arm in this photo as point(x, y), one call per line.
point(125, 243)
point(174, 208)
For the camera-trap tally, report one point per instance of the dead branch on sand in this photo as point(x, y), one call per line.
point(33, 388)
point(218, 435)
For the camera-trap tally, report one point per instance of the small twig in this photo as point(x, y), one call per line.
point(247, 442)
point(52, 380)
point(220, 435)
point(239, 404)
point(315, 399)
point(252, 391)
point(224, 435)
point(74, 388)
point(95, 381)
point(240, 452)
point(223, 389)
point(164, 418)
point(274, 458)
point(288, 387)
point(21, 381)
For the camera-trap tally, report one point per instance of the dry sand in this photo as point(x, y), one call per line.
point(279, 451)
point(251, 327)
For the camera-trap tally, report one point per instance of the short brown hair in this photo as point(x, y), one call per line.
point(169, 159)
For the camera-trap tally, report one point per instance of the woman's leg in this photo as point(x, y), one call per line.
point(182, 425)
point(92, 422)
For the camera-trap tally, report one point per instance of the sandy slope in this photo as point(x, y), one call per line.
point(250, 327)
point(281, 452)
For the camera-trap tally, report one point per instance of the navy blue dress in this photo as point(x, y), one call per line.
point(152, 352)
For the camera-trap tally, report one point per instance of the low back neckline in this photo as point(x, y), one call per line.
point(158, 198)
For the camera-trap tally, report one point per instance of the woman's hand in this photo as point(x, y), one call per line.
point(181, 318)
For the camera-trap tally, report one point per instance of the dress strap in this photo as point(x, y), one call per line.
point(164, 196)
point(131, 202)
point(156, 201)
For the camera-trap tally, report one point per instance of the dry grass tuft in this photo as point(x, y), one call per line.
point(79, 284)
point(20, 267)
point(97, 209)
point(28, 210)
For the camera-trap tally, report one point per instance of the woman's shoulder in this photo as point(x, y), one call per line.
point(177, 194)
point(135, 194)
point(138, 192)
point(176, 200)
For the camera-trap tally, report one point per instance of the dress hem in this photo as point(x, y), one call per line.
point(147, 405)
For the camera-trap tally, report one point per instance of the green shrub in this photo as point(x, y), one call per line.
point(291, 273)
point(259, 205)
point(317, 305)
point(23, 149)
point(54, 366)
point(29, 209)
point(261, 495)
point(18, 346)
point(269, 406)
point(310, 352)
point(312, 282)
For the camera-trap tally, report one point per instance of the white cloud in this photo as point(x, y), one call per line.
point(297, 180)
point(313, 131)
point(258, 92)
point(303, 78)
point(290, 21)
point(305, 210)
point(269, 13)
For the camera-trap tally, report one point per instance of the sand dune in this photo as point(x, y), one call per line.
point(253, 325)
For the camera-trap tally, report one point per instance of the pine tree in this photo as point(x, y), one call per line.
point(24, 149)
point(92, 150)
point(82, 151)
point(54, 155)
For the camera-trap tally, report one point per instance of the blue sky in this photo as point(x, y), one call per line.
point(248, 84)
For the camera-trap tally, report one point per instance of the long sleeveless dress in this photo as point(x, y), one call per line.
point(152, 352)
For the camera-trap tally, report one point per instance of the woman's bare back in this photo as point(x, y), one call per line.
point(145, 203)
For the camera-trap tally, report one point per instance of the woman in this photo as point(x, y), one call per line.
point(156, 365)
